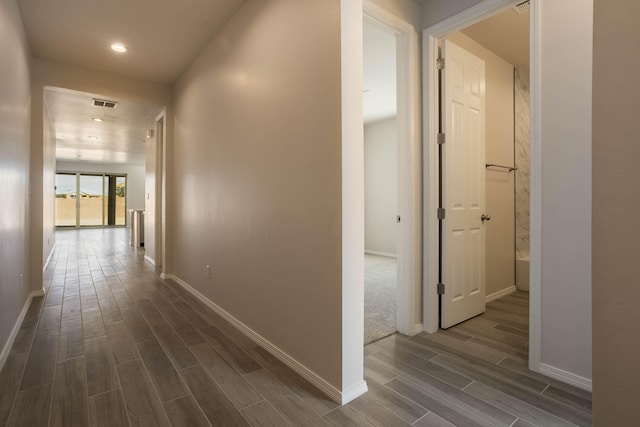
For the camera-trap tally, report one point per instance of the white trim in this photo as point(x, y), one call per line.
point(430, 308)
point(149, 260)
point(354, 392)
point(381, 254)
point(416, 329)
point(16, 327)
point(535, 209)
point(352, 215)
point(566, 377)
point(409, 163)
point(46, 263)
point(476, 13)
point(497, 295)
point(160, 189)
point(281, 355)
point(165, 276)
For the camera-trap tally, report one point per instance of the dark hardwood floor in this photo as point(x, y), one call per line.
point(111, 344)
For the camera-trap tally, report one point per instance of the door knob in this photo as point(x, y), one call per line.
point(485, 217)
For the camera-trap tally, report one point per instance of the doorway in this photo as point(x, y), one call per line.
point(504, 127)
point(406, 218)
point(380, 182)
point(90, 200)
point(432, 37)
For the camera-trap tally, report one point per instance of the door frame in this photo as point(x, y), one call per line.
point(409, 247)
point(160, 189)
point(431, 36)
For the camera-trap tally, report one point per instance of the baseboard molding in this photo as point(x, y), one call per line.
point(16, 328)
point(354, 392)
point(328, 389)
point(165, 276)
point(496, 295)
point(381, 253)
point(417, 328)
point(46, 263)
point(150, 260)
point(566, 377)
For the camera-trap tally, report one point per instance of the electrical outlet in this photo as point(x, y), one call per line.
point(208, 268)
point(21, 281)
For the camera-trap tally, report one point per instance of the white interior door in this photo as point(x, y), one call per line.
point(463, 186)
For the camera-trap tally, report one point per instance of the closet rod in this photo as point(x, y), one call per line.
point(493, 165)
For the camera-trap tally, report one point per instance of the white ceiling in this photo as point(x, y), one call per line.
point(505, 34)
point(119, 138)
point(379, 74)
point(162, 38)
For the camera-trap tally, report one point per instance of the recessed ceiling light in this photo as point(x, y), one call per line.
point(97, 119)
point(118, 47)
point(93, 137)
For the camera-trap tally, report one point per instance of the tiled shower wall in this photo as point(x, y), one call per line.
point(521, 117)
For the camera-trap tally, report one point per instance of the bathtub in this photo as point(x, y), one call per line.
point(522, 273)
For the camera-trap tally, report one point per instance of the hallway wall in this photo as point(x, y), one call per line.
point(257, 177)
point(616, 201)
point(15, 125)
point(48, 166)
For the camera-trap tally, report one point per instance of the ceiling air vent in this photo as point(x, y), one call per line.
point(521, 8)
point(104, 103)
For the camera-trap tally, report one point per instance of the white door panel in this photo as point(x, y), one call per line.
point(463, 185)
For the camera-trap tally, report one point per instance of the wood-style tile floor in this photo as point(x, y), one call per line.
point(113, 345)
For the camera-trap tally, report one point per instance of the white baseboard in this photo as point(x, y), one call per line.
point(328, 389)
point(354, 392)
point(417, 328)
point(16, 328)
point(566, 377)
point(46, 263)
point(496, 295)
point(390, 255)
point(150, 260)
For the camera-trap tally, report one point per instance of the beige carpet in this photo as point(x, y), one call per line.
point(380, 275)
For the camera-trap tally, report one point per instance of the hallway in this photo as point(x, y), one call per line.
point(113, 345)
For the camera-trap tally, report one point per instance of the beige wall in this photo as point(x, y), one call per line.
point(435, 11)
point(408, 10)
point(381, 187)
point(616, 200)
point(257, 177)
point(15, 107)
point(500, 252)
point(48, 185)
point(566, 28)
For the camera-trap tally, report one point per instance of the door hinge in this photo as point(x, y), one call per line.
point(441, 213)
point(441, 138)
point(440, 63)
point(440, 288)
